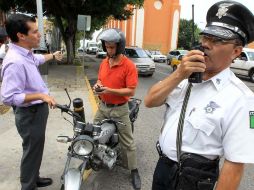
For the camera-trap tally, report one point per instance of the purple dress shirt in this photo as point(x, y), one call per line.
point(21, 76)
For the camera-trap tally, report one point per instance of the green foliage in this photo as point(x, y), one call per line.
point(79, 36)
point(66, 12)
point(185, 34)
point(77, 62)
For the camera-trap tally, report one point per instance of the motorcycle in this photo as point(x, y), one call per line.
point(96, 145)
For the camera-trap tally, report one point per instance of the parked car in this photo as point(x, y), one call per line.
point(100, 53)
point(175, 62)
point(91, 47)
point(158, 57)
point(143, 62)
point(80, 49)
point(176, 54)
point(148, 53)
point(244, 64)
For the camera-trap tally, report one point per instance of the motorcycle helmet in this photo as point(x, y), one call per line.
point(113, 35)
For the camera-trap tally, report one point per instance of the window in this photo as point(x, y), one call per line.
point(136, 53)
point(141, 53)
point(251, 56)
point(131, 53)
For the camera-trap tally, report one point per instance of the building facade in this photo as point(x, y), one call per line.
point(153, 27)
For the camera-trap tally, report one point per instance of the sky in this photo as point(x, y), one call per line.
point(201, 7)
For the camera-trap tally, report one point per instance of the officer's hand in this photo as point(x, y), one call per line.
point(194, 61)
point(50, 100)
point(58, 55)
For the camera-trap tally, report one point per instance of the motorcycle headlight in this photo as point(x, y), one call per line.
point(83, 145)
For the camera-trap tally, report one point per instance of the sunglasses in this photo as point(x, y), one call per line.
point(216, 40)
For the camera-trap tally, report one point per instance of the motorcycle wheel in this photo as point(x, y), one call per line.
point(132, 127)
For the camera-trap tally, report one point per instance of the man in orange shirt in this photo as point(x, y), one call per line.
point(117, 81)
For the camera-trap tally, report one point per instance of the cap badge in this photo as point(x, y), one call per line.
point(223, 8)
point(218, 81)
point(211, 107)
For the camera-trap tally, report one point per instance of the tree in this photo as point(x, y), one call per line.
point(185, 34)
point(67, 11)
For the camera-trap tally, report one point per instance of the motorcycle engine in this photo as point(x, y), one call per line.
point(107, 155)
point(106, 132)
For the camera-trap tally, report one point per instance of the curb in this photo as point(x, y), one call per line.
point(92, 98)
point(94, 104)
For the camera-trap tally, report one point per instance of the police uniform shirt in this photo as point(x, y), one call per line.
point(218, 120)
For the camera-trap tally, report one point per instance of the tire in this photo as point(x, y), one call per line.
point(168, 62)
point(252, 76)
point(132, 127)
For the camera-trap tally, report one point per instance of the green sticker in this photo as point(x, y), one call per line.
point(252, 119)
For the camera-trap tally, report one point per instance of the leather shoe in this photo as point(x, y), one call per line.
point(135, 179)
point(43, 182)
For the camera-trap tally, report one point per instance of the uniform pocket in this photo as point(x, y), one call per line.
point(196, 127)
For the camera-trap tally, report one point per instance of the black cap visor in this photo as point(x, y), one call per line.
point(220, 32)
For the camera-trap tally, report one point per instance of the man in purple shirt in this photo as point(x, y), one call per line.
point(24, 90)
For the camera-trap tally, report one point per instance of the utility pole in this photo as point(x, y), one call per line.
point(193, 36)
point(40, 23)
point(42, 49)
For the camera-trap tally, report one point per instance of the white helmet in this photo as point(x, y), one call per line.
point(113, 35)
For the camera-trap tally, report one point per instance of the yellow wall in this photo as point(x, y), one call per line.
point(251, 45)
point(158, 25)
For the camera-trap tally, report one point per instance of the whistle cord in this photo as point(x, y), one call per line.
point(181, 122)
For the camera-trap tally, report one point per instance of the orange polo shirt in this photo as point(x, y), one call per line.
point(123, 75)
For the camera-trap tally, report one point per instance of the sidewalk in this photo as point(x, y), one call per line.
point(59, 77)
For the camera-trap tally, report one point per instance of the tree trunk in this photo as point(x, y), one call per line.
point(73, 44)
point(68, 36)
point(69, 47)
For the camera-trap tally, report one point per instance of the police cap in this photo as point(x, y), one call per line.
point(230, 20)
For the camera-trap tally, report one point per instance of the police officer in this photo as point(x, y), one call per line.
point(218, 119)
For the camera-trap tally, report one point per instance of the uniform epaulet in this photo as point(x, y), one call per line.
point(241, 86)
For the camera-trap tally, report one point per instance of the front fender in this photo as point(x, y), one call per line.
point(72, 179)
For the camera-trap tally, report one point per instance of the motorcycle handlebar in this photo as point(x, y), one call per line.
point(65, 108)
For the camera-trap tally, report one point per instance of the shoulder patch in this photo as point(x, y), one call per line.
point(251, 114)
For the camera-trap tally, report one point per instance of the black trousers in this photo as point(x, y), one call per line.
point(31, 125)
point(164, 174)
